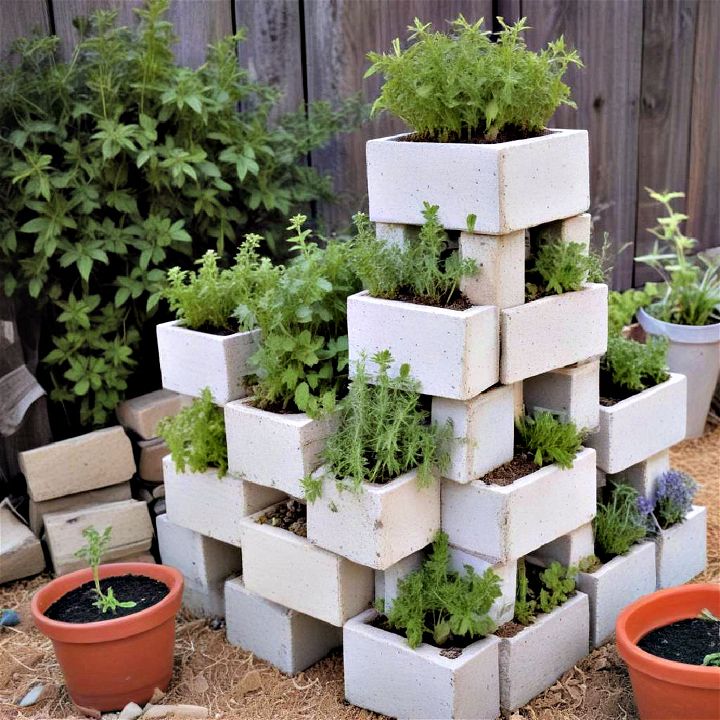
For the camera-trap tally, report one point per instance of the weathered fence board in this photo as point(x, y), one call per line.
point(21, 17)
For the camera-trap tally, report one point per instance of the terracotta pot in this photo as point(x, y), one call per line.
point(665, 689)
point(110, 663)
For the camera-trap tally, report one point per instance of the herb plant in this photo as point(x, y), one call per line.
point(636, 366)
point(561, 267)
point(555, 586)
point(422, 269)
point(672, 499)
point(92, 553)
point(463, 87)
point(550, 439)
point(196, 436)
point(444, 603)
point(622, 306)
point(618, 524)
point(712, 659)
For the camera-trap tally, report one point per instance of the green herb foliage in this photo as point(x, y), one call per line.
point(550, 439)
point(92, 553)
point(118, 164)
point(561, 267)
point(421, 269)
point(443, 603)
point(196, 436)
point(618, 524)
point(713, 659)
point(622, 306)
point(556, 585)
point(636, 366)
point(463, 86)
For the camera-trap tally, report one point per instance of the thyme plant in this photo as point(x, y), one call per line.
point(618, 524)
point(636, 366)
point(549, 439)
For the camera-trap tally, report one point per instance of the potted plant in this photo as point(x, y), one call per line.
point(551, 477)
point(413, 307)
point(446, 665)
point(623, 567)
point(112, 627)
point(479, 144)
point(688, 310)
point(547, 636)
point(665, 639)
point(214, 335)
point(376, 499)
point(300, 368)
point(199, 492)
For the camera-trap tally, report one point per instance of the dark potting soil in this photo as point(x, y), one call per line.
point(457, 302)
point(290, 515)
point(520, 466)
point(507, 134)
point(452, 648)
point(77, 606)
point(685, 641)
point(212, 330)
point(509, 629)
point(611, 394)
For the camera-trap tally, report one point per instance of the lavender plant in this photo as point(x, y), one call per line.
point(671, 501)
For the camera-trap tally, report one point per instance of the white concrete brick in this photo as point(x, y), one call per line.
point(681, 551)
point(289, 570)
point(538, 655)
point(388, 580)
point(274, 449)
point(601, 478)
point(484, 431)
point(643, 476)
point(500, 279)
point(212, 505)
point(21, 554)
point(285, 638)
point(508, 186)
point(640, 426)
point(518, 399)
point(552, 332)
point(615, 585)
point(192, 360)
point(452, 353)
point(568, 549)
point(378, 525)
point(383, 674)
point(506, 522)
point(152, 452)
point(143, 413)
point(207, 603)
point(576, 229)
point(396, 235)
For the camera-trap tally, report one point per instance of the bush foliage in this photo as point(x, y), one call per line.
point(636, 366)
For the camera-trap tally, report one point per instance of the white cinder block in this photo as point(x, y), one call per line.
point(640, 426)
point(452, 353)
point(289, 570)
point(142, 414)
point(538, 655)
point(285, 638)
point(575, 229)
point(552, 332)
point(506, 522)
point(681, 551)
point(383, 674)
point(507, 186)
point(387, 581)
point(643, 476)
point(484, 431)
point(396, 235)
point(378, 525)
point(571, 392)
point(274, 449)
point(615, 585)
point(192, 360)
point(568, 549)
point(21, 554)
point(212, 505)
point(500, 279)
point(204, 603)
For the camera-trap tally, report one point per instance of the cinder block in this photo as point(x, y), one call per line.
point(205, 603)
point(500, 279)
point(385, 675)
point(388, 580)
point(568, 549)
point(143, 413)
point(86, 462)
point(681, 551)
point(643, 476)
point(484, 431)
point(152, 452)
point(601, 478)
point(518, 399)
point(21, 554)
point(576, 229)
point(285, 638)
point(396, 235)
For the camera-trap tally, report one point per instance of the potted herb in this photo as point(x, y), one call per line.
point(668, 640)
point(376, 500)
point(210, 342)
point(688, 311)
point(199, 492)
point(432, 653)
point(624, 567)
point(549, 614)
point(116, 619)
point(551, 476)
point(413, 307)
point(478, 111)
point(300, 368)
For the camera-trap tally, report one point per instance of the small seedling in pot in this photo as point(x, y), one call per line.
point(92, 552)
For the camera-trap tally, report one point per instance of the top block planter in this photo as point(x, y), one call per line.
point(191, 360)
point(507, 186)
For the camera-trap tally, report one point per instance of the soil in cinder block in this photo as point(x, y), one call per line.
point(451, 649)
point(507, 134)
point(77, 606)
point(611, 394)
point(520, 466)
point(458, 301)
point(290, 515)
point(684, 641)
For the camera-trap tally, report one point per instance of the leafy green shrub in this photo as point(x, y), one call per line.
point(119, 164)
point(636, 366)
point(461, 87)
point(550, 439)
point(443, 603)
point(196, 436)
point(555, 585)
point(301, 364)
point(421, 269)
point(562, 267)
point(622, 306)
point(619, 524)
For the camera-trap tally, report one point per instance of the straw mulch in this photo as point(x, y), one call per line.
point(233, 684)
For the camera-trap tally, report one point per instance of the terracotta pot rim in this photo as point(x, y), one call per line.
point(113, 628)
point(668, 670)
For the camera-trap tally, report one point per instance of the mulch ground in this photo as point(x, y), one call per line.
point(235, 685)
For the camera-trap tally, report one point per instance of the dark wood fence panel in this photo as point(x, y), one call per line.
point(21, 17)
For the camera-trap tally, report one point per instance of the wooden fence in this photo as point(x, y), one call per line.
point(649, 94)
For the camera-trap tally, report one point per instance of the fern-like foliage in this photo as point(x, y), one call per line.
point(618, 524)
point(553, 586)
point(636, 366)
point(549, 439)
point(561, 267)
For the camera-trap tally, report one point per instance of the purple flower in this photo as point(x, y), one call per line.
point(645, 505)
point(673, 497)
